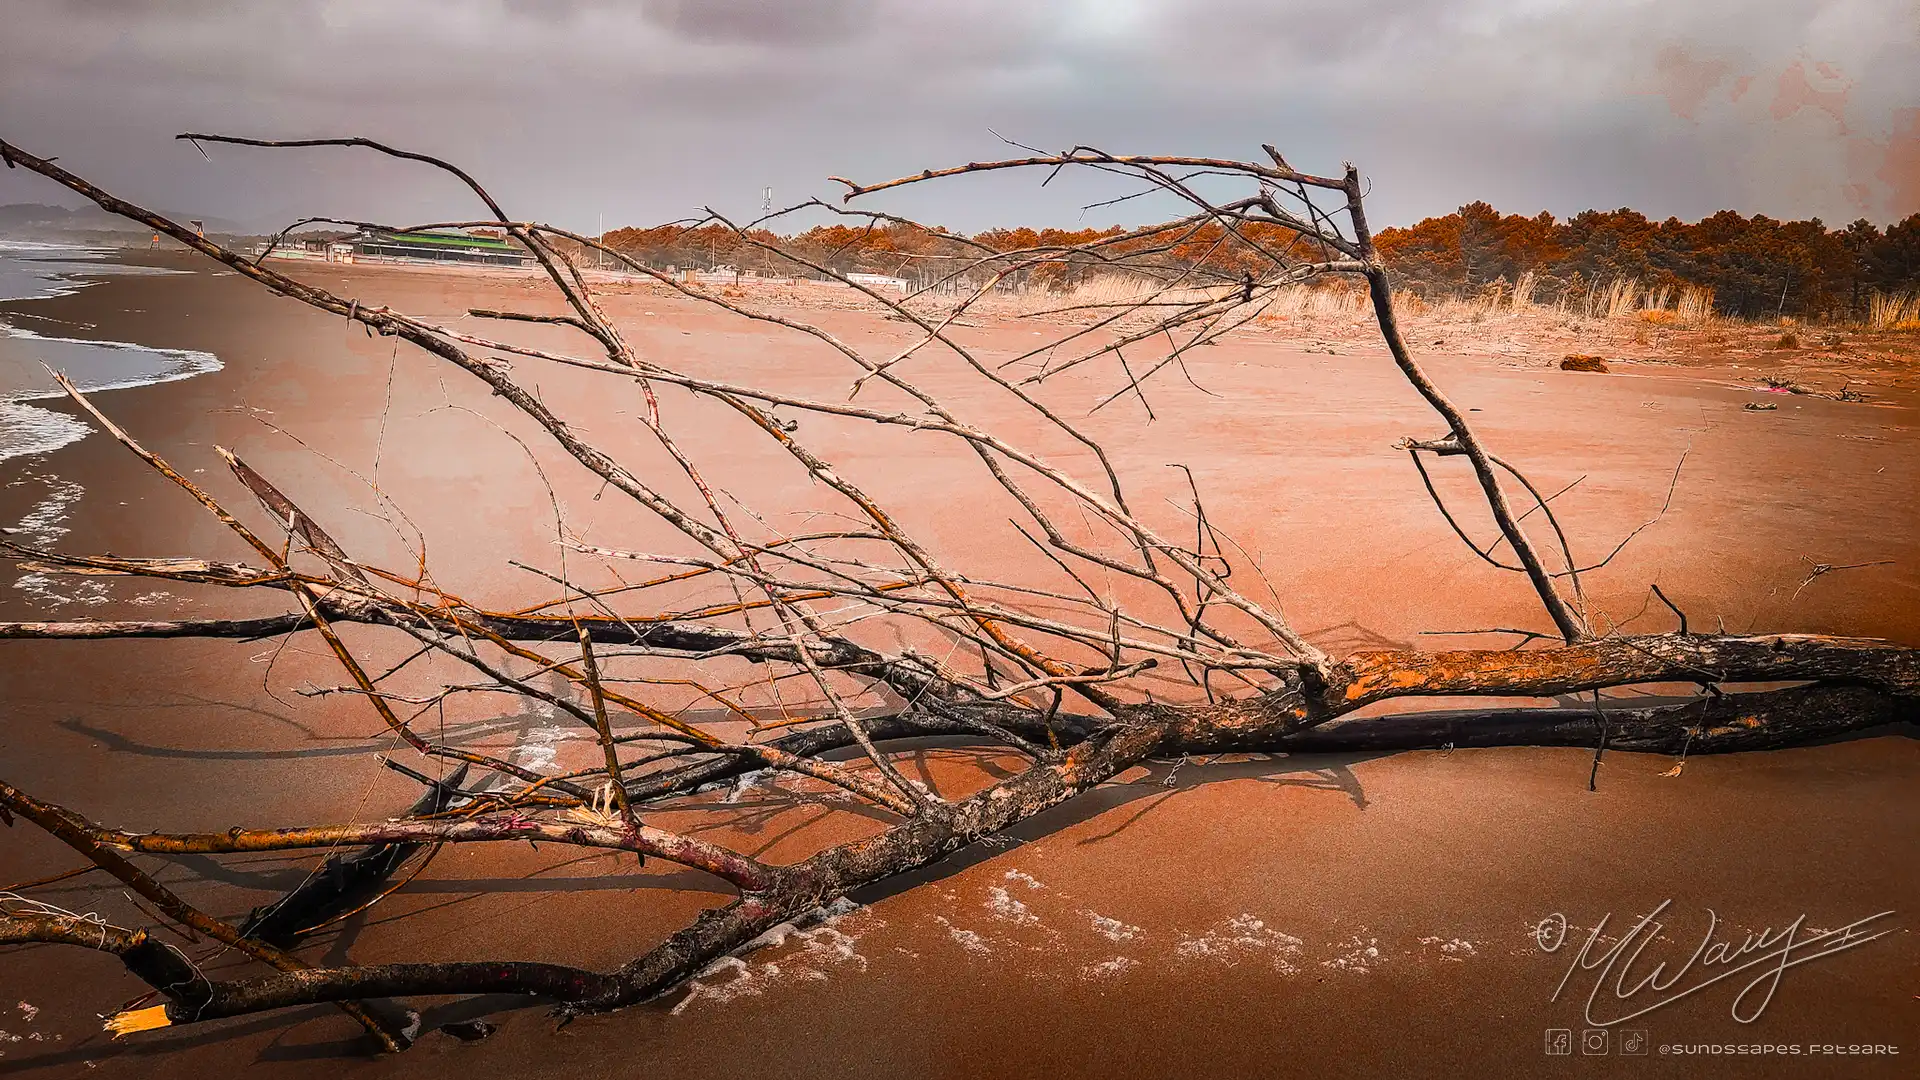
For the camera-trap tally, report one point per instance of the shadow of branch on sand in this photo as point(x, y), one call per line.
point(1156, 782)
point(1129, 799)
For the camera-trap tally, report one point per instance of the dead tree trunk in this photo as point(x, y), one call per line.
point(1051, 675)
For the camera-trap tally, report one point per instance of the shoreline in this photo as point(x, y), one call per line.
point(96, 364)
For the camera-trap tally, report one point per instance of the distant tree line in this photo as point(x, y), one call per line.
point(1756, 266)
point(1201, 254)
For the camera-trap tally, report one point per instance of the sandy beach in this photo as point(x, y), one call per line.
point(1352, 915)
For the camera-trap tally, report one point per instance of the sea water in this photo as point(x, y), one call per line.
point(30, 271)
point(29, 345)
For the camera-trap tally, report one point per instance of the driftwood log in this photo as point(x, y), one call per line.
point(1051, 674)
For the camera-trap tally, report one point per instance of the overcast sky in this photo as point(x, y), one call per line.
point(643, 111)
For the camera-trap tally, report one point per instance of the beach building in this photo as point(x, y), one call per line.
point(291, 248)
point(447, 247)
point(879, 281)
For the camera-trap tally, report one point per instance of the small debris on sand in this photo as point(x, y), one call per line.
point(1583, 362)
point(1778, 384)
point(1759, 406)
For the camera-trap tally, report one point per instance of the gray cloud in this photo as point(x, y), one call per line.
point(575, 108)
point(759, 22)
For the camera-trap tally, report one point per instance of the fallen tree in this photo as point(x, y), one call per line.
point(1056, 674)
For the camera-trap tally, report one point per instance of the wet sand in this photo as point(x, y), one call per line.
point(1302, 915)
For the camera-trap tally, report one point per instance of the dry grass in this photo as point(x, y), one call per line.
point(1618, 319)
point(1334, 301)
point(1310, 301)
point(1695, 307)
point(1623, 298)
point(1619, 299)
point(1691, 306)
point(1337, 302)
point(1893, 311)
point(1105, 294)
point(1523, 293)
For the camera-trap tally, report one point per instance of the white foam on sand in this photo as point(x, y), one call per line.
point(26, 430)
point(1001, 905)
point(1241, 937)
point(1109, 969)
point(1357, 955)
point(1112, 929)
point(808, 949)
point(28, 1011)
point(37, 271)
point(967, 939)
point(1458, 949)
point(94, 366)
point(41, 527)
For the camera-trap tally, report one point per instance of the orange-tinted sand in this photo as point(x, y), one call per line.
point(1299, 916)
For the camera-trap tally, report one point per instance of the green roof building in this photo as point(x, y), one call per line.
point(449, 247)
